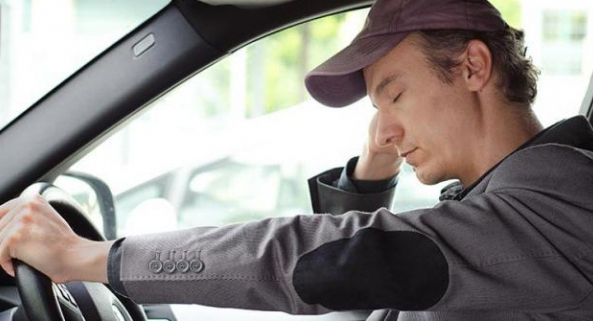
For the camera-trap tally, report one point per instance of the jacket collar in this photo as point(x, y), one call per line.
point(575, 132)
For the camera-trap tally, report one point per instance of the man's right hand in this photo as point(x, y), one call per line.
point(33, 232)
point(377, 162)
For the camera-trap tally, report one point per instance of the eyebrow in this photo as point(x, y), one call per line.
point(385, 82)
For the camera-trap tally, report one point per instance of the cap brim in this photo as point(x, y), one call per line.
point(339, 81)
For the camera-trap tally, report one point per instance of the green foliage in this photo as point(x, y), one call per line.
point(510, 10)
point(289, 55)
point(327, 28)
point(282, 52)
point(276, 67)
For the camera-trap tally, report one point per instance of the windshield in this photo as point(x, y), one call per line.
point(44, 42)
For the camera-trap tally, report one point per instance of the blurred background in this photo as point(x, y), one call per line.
point(238, 141)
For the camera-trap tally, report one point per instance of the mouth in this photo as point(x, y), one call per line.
point(406, 154)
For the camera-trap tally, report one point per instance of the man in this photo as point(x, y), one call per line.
point(453, 92)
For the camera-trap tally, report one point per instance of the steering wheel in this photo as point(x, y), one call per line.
point(42, 300)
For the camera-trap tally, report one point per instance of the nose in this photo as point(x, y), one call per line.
point(388, 131)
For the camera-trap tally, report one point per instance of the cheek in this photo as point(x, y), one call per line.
point(432, 121)
point(435, 113)
point(446, 113)
point(437, 132)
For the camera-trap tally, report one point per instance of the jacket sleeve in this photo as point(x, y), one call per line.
point(522, 245)
point(333, 192)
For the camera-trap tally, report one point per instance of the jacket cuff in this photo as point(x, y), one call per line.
point(336, 201)
point(334, 192)
point(350, 184)
point(113, 268)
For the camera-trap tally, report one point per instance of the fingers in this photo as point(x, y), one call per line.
point(382, 136)
point(380, 158)
point(15, 223)
point(33, 232)
point(6, 207)
point(5, 256)
point(10, 236)
point(15, 207)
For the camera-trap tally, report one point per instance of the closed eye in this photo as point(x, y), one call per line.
point(396, 98)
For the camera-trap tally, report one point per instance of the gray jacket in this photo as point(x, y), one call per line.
point(516, 246)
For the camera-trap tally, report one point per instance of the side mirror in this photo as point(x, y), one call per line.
point(95, 197)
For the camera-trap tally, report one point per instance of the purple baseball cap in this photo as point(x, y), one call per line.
point(339, 81)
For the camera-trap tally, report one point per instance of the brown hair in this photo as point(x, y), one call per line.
point(518, 76)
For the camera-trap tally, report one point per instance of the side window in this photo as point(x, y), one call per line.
point(131, 206)
point(232, 192)
point(236, 142)
point(564, 35)
point(559, 39)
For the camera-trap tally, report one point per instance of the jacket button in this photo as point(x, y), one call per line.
point(183, 266)
point(196, 266)
point(155, 266)
point(169, 266)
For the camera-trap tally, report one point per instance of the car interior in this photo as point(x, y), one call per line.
point(41, 145)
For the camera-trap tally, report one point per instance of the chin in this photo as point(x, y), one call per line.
point(428, 177)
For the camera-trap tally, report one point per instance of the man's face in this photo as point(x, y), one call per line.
point(433, 124)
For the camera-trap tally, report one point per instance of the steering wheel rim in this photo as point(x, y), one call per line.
point(39, 298)
point(36, 292)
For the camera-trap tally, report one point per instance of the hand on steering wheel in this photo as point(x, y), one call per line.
point(32, 231)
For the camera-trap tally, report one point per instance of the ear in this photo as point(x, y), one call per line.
point(477, 65)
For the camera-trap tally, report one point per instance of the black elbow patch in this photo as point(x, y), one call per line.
point(375, 269)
